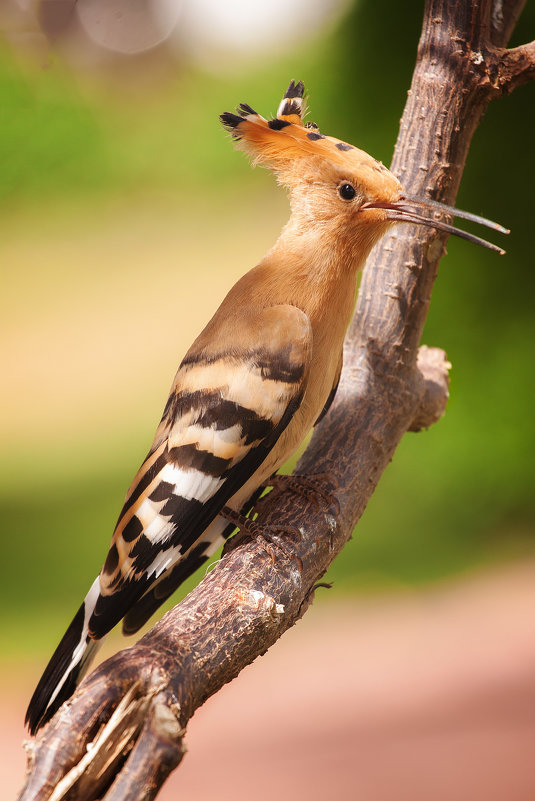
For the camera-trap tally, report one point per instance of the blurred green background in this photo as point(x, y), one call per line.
point(126, 216)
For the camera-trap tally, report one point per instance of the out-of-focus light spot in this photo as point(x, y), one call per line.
point(210, 29)
point(128, 26)
point(218, 34)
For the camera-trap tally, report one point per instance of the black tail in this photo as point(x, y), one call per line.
point(68, 664)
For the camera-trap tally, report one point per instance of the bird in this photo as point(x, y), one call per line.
point(255, 381)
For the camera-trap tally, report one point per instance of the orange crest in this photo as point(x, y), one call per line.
point(277, 143)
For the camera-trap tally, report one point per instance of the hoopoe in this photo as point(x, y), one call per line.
point(255, 381)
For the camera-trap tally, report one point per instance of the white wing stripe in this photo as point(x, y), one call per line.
point(159, 530)
point(163, 561)
point(191, 484)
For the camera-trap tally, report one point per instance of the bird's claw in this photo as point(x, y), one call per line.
point(310, 487)
point(270, 534)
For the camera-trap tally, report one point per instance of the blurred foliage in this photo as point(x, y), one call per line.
point(458, 496)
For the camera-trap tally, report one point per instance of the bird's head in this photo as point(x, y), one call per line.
point(334, 186)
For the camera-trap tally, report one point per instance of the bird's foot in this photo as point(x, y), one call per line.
point(313, 487)
point(270, 536)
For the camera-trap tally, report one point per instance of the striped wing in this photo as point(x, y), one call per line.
point(227, 409)
point(212, 538)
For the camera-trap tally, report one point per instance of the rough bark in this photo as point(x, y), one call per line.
point(134, 708)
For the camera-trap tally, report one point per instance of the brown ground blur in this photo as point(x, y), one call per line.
point(425, 696)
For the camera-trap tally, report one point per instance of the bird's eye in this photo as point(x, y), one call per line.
point(347, 192)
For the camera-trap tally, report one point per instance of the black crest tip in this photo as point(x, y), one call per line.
point(278, 125)
point(244, 109)
point(295, 90)
point(230, 121)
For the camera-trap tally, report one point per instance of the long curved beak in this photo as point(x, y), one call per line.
point(407, 209)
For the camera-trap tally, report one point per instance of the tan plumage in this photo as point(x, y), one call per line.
point(252, 385)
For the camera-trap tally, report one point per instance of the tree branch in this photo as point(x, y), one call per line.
point(513, 68)
point(127, 719)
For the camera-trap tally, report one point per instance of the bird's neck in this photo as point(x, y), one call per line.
point(309, 268)
point(315, 271)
